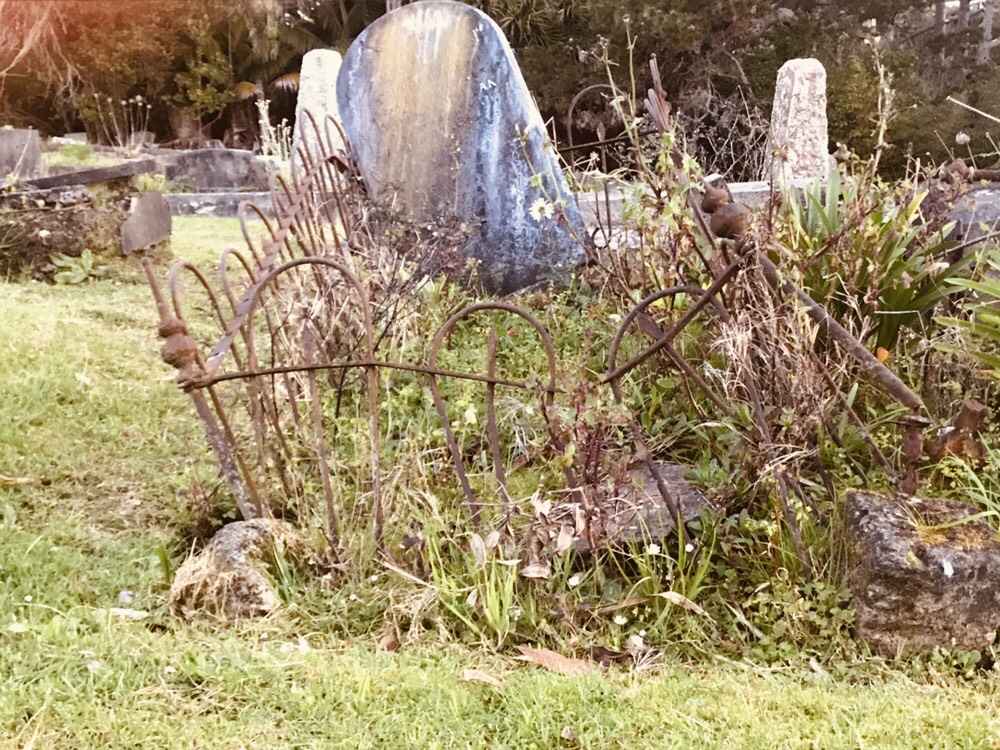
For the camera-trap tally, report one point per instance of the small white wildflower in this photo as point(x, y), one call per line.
point(94, 665)
point(962, 138)
point(28, 598)
point(689, 547)
point(642, 633)
point(939, 267)
point(948, 568)
point(653, 549)
point(44, 233)
point(537, 210)
point(574, 580)
point(353, 598)
point(635, 644)
point(170, 670)
point(620, 620)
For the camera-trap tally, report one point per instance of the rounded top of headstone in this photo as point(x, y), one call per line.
point(427, 12)
point(321, 55)
point(803, 65)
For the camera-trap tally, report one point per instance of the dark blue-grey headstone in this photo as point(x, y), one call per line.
point(443, 126)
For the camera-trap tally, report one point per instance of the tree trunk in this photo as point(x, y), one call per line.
point(963, 13)
point(939, 17)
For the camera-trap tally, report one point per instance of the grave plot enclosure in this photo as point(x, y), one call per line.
point(294, 318)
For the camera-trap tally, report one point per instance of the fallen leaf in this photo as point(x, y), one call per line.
point(882, 355)
point(478, 549)
point(536, 570)
point(565, 540)
point(492, 540)
point(554, 662)
point(682, 601)
point(6, 481)
point(475, 675)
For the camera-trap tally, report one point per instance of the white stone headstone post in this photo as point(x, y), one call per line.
point(318, 96)
point(798, 146)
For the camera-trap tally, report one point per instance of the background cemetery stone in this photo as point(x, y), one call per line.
point(219, 169)
point(798, 145)
point(148, 222)
point(20, 153)
point(443, 125)
point(318, 96)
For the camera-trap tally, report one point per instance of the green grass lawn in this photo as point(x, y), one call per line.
point(98, 451)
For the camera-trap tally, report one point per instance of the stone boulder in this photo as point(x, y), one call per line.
point(211, 169)
point(231, 576)
point(924, 574)
point(443, 127)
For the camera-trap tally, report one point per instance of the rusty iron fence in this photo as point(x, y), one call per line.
point(287, 319)
point(277, 310)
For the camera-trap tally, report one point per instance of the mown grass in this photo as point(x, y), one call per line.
point(99, 451)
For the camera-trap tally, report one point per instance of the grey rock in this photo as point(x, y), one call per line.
point(219, 169)
point(20, 153)
point(798, 144)
point(230, 577)
point(923, 575)
point(443, 126)
point(639, 513)
point(147, 224)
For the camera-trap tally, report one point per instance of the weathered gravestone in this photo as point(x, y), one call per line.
point(20, 153)
point(219, 169)
point(798, 145)
point(318, 97)
point(148, 222)
point(976, 213)
point(442, 125)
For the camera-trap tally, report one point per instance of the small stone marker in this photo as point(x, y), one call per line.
point(20, 153)
point(798, 146)
point(442, 126)
point(318, 96)
point(148, 222)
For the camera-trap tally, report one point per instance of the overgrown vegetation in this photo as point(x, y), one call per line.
point(104, 473)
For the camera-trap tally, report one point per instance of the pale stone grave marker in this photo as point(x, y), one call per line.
point(148, 222)
point(442, 124)
point(798, 146)
point(318, 97)
point(20, 153)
